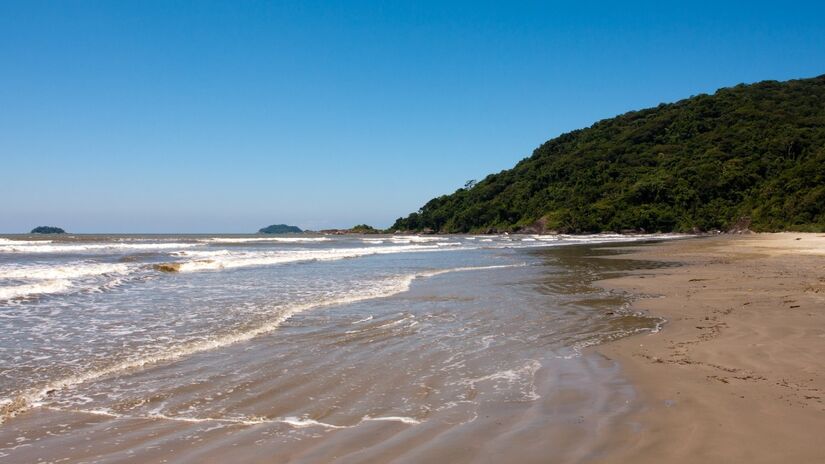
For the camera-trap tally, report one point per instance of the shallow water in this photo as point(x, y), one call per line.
point(295, 339)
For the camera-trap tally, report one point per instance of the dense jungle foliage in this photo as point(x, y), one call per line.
point(751, 151)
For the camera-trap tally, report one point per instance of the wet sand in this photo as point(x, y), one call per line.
point(478, 367)
point(737, 375)
point(483, 365)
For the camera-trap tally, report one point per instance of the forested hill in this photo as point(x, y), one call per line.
point(751, 151)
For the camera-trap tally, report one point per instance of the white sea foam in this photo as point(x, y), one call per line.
point(7, 241)
point(402, 419)
point(265, 239)
point(302, 422)
point(469, 268)
point(207, 254)
point(39, 288)
point(27, 399)
point(87, 247)
point(224, 259)
point(366, 319)
point(531, 241)
point(524, 375)
point(68, 271)
point(41, 279)
point(292, 421)
point(415, 238)
point(9, 407)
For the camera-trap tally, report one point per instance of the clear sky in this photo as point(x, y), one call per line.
point(206, 116)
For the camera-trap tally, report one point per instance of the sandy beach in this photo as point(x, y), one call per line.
point(483, 364)
point(737, 374)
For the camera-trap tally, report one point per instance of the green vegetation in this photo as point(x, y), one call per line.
point(364, 229)
point(751, 151)
point(280, 229)
point(47, 230)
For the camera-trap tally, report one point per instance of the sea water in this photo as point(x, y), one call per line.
point(297, 330)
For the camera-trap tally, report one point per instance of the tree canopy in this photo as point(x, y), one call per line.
point(47, 230)
point(750, 151)
point(280, 229)
point(364, 229)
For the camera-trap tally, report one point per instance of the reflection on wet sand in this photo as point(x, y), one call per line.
point(478, 366)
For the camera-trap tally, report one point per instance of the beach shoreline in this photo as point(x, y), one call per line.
point(737, 374)
point(734, 375)
point(468, 363)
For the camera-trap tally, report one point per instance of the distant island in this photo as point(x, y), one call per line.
point(280, 229)
point(364, 229)
point(749, 156)
point(47, 230)
point(359, 229)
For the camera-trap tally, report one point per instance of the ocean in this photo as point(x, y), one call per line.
point(296, 346)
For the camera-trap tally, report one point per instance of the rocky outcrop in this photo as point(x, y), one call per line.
point(167, 267)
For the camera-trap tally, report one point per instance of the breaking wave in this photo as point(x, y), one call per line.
point(25, 281)
point(225, 259)
point(10, 407)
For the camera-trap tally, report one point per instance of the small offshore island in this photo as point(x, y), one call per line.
point(280, 229)
point(47, 230)
point(359, 229)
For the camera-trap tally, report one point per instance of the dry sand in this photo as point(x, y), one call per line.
point(737, 375)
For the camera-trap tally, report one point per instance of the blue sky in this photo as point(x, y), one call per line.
point(227, 116)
